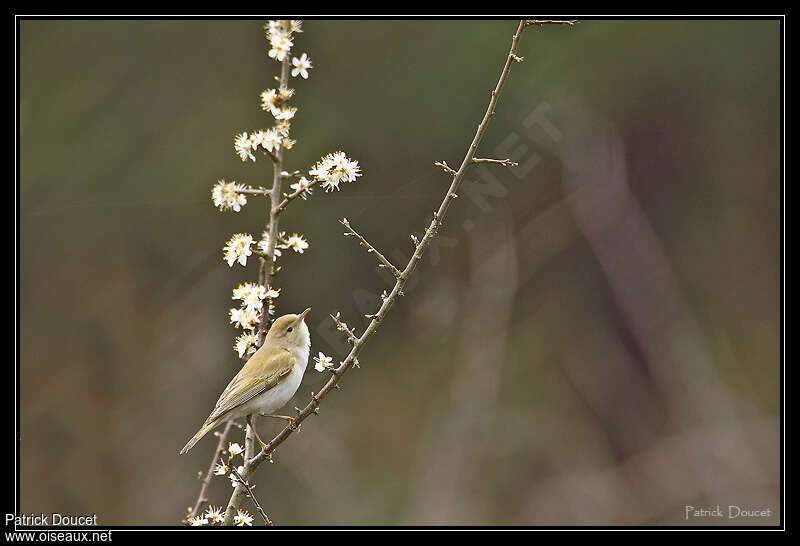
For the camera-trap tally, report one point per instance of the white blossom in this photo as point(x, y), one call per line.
point(269, 99)
point(234, 479)
point(245, 343)
point(301, 66)
point(238, 249)
point(322, 362)
point(214, 514)
point(244, 318)
point(225, 195)
point(271, 140)
point(297, 243)
point(335, 168)
point(283, 113)
point(243, 518)
point(280, 45)
point(244, 146)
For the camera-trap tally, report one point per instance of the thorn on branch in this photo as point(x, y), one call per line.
point(370, 249)
point(445, 167)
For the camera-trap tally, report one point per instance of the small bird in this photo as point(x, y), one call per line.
point(268, 379)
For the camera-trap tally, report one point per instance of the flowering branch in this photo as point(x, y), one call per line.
point(267, 263)
point(430, 233)
point(370, 249)
point(329, 173)
point(268, 260)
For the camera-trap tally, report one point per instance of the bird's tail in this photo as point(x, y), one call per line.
point(200, 433)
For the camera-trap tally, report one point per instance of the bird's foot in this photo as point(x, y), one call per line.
point(289, 420)
point(255, 432)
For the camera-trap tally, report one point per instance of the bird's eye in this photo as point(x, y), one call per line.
point(289, 329)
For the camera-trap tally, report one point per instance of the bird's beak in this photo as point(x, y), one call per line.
point(303, 314)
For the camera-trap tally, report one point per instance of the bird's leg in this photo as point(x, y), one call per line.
point(286, 418)
point(255, 432)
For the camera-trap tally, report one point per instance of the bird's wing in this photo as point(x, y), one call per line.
point(257, 376)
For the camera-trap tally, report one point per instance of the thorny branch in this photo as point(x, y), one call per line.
point(251, 464)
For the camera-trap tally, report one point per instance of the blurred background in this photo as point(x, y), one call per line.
point(594, 339)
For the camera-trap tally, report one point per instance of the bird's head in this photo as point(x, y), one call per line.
point(290, 331)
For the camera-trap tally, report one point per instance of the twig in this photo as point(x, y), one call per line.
point(503, 162)
point(445, 167)
point(430, 233)
point(384, 262)
point(202, 498)
point(540, 22)
point(282, 206)
point(254, 191)
point(342, 327)
point(250, 494)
